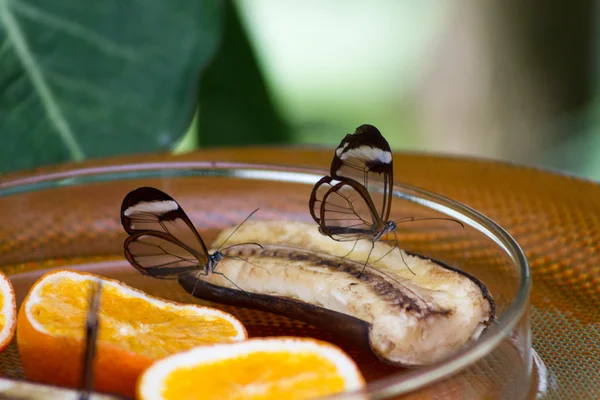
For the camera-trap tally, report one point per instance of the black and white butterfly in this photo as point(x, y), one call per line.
point(92, 326)
point(163, 242)
point(354, 202)
point(342, 204)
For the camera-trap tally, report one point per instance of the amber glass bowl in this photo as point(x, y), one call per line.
point(71, 218)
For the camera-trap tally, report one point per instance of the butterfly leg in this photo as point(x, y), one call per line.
point(350, 252)
point(232, 282)
point(402, 254)
point(198, 275)
point(392, 249)
point(367, 260)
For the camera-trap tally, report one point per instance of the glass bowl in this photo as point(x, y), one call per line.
point(71, 218)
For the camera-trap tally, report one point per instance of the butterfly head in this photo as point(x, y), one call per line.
point(213, 260)
point(216, 256)
point(390, 226)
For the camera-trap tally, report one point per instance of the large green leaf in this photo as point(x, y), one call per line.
point(85, 79)
point(235, 107)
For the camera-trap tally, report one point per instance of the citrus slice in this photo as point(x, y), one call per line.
point(135, 330)
point(265, 368)
point(8, 312)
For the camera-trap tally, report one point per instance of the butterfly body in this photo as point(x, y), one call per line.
point(213, 260)
point(390, 226)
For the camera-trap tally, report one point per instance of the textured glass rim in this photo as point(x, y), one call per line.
point(392, 385)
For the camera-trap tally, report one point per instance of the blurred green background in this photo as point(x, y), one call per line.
point(503, 80)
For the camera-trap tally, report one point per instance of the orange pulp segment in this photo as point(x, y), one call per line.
point(269, 368)
point(135, 329)
point(8, 312)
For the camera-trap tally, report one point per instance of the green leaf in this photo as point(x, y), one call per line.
point(235, 107)
point(90, 79)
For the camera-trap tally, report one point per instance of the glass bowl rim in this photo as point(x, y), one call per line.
point(76, 175)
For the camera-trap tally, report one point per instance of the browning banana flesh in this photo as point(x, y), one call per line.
point(407, 318)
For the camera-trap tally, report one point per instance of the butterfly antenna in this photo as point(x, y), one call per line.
point(246, 260)
point(242, 244)
point(238, 227)
point(92, 325)
point(380, 271)
point(413, 219)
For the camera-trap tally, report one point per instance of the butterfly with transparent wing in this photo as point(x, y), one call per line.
point(163, 242)
point(92, 326)
point(342, 204)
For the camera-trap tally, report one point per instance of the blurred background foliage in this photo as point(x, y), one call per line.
point(507, 80)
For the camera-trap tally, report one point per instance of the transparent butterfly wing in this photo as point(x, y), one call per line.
point(316, 197)
point(161, 255)
point(366, 158)
point(346, 213)
point(149, 209)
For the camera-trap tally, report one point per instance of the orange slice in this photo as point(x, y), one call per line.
point(266, 368)
point(8, 312)
point(135, 330)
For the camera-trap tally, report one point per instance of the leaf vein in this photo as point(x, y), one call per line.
point(96, 92)
point(76, 30)
point(32, 68)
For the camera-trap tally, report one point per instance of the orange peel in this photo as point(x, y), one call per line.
point(135, 330)
point(8, 312)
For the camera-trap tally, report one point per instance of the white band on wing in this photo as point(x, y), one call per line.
point(154, 207)
point(368, 153)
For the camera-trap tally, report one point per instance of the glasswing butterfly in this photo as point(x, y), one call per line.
point(92, 325)
point(342, 204)
point(163, 242)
